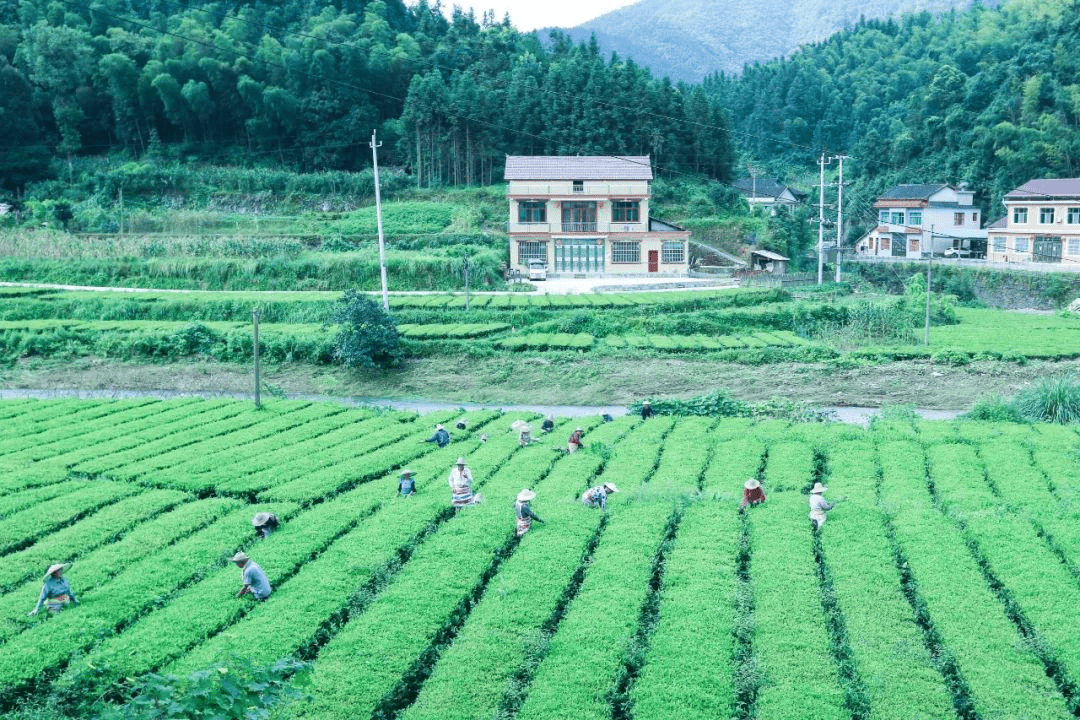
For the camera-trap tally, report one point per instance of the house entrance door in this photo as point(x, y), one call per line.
point(654, 261)
point(579, 255)
point(1047, 249)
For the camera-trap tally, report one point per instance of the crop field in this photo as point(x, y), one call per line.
point(944, 583)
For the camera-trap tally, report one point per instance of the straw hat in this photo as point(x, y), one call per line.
point(260, 519)
point(525, 495)
point(752, 484)
point(818, 488)
point(406, 472)
point(525, 428)
point(483, 438)
point(439, 427)
point(644, 402)
point(516, 425)
point(460, 461)
point(240, 557)
point(610, 486)
point(54, 568)
point(578, 429)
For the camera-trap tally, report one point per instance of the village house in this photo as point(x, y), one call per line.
point(765, 192)
point(589, 215)
point(908, 214)
point(1041, 223)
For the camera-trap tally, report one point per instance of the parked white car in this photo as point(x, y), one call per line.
point(537, 270)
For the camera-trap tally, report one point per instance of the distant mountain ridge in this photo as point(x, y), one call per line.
point(690, 39)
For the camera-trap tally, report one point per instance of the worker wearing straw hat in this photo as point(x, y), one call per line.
point(255, 580)
point(574, 443)
point(407, 484)
point(55, 592)
point(646, 410)
point(597, 496)
point(440, 437)
point(266, 523)
point(525, 435)
point(752, 494)
point(460, 481)
point(818, 505)
point(523, 512)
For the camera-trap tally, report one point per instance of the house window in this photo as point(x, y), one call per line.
point(578, 216)
point(999, 244)
point(625, 252)
point(531, 250)
point(579, 186)
point(1019, 216)
point(886, 243)
point(672, 252)
point(915, 217)
point(897, 218)
point(625, 211)
point(883, 217)
point(532, 211)
point(1046, 216)
point(958, 219)
point(1074, 246)
point(1073, 217)
point(913, 245)
point(1020, 244)
point(975, 219)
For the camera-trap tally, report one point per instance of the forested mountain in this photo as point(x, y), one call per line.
point(302, 83)
point(989, 97)
point(690, 39)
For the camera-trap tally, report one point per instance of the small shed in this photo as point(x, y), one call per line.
point(769, 261)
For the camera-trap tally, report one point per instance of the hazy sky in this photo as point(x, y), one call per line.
point(531, 14)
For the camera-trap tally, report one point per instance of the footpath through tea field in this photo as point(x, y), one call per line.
point(943, 584)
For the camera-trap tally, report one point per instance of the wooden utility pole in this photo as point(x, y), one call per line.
point(821, 221)
point(839, 213)
point(255, 352)
point(929, 262)
point(378, 221)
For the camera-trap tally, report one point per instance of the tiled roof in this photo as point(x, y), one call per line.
point(769, 255)
point(1053, 187)
point(764, 187)
point(1001, 222)
point(577, 167)
point(912, 192)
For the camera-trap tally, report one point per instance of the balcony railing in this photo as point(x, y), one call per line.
point(579, 227)
point(556, 227)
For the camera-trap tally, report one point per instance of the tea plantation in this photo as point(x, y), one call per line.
point(944, 583)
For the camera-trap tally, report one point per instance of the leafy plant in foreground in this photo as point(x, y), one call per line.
point(368, 337)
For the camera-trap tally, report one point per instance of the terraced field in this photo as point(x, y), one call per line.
point(944, 584)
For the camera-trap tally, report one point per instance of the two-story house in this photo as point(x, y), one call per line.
point(909, 214)
point(589, 215)
point(1041, 223)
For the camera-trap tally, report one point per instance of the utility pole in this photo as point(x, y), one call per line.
point(121, 212)
point(255, 352)
point(839, 212)
point(929, 262)
point(821, 221)
point(466, 264)
point(378, 220)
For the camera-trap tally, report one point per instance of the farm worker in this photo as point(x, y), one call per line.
point(483, 438)
point(441, 437)
point(460, 481)
point(752, 494)
point(524, 513)
point(548, 425)
point(266, 523)
point(460, 425)
point(597, 496)
point(525, 435)
point(818, 505)
point(574, 443)
point(646, 410)
point(255, 580)
point(55, 592)
point(407, 484)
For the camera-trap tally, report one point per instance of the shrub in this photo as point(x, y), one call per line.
point(1055, 400)
point(368, 337)
point(994, 408)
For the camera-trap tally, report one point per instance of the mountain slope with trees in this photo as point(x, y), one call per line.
point(987, 97)
point(303, 84)
point(689, 39)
